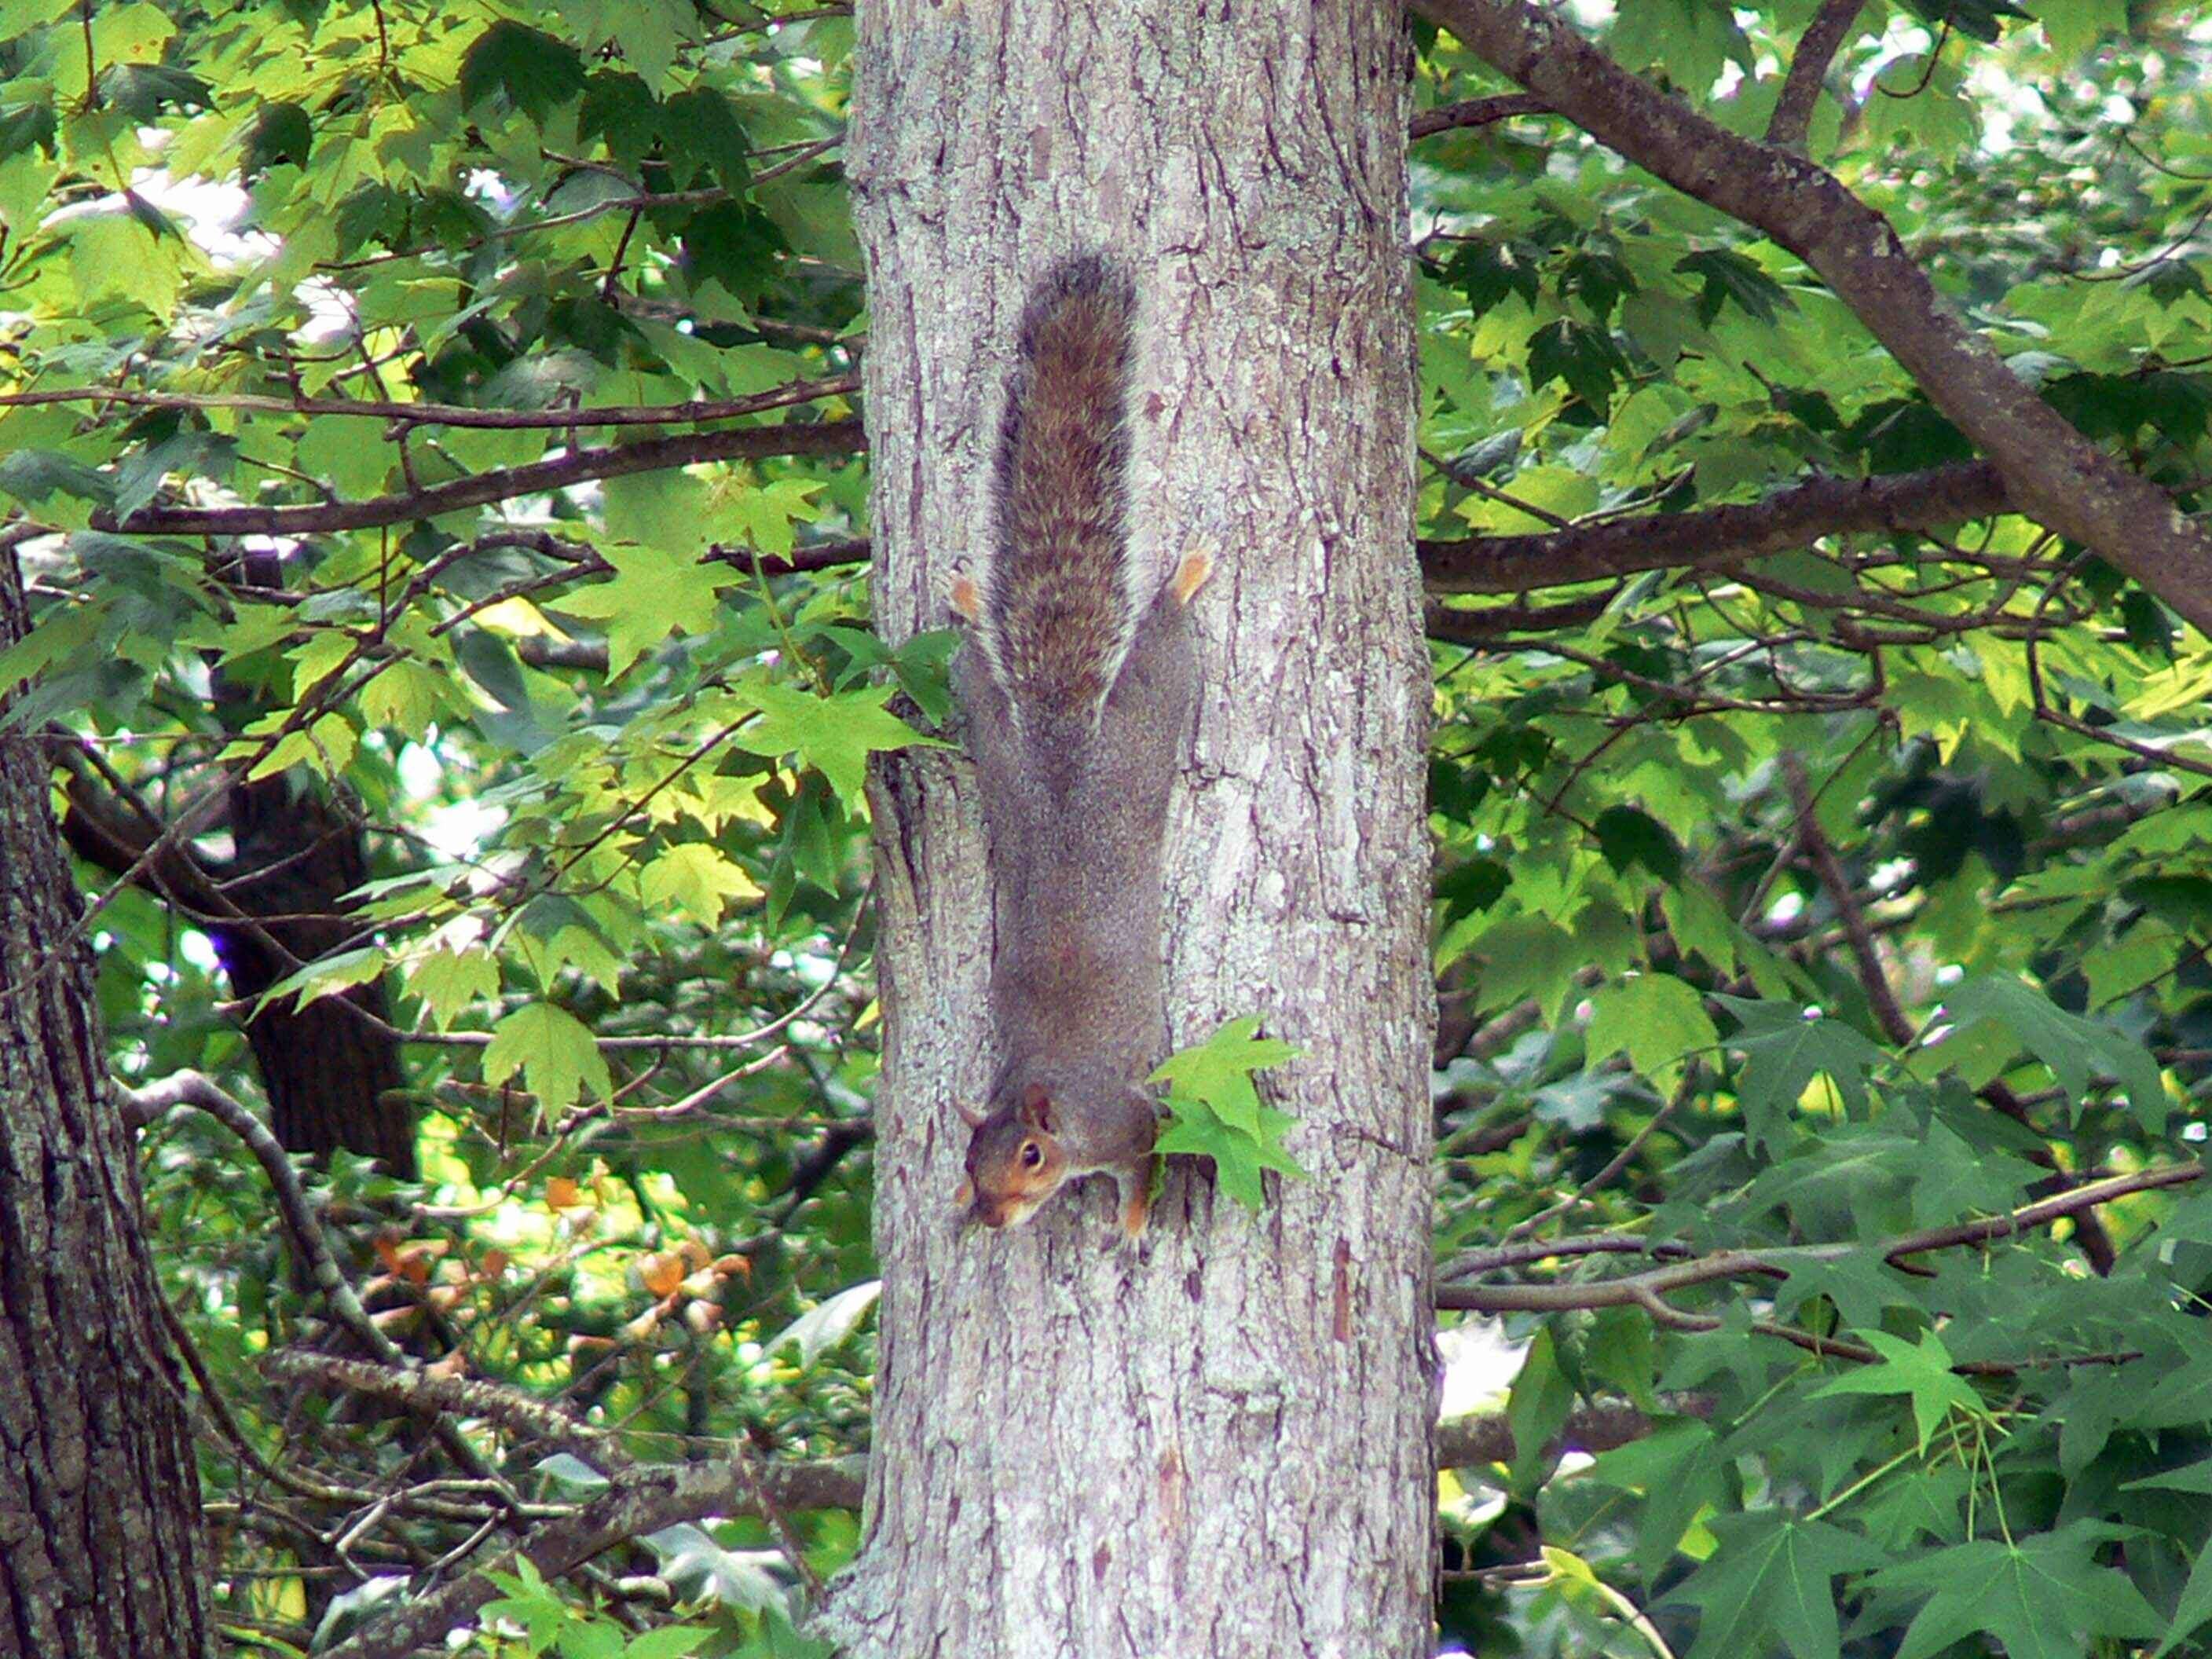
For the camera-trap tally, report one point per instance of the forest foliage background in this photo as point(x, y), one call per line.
point(435, 458)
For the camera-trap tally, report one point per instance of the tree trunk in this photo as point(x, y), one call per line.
point(100, 1550)
point(333, 1080)
point(1221, 1448)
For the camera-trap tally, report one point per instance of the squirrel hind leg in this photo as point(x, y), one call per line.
point(1191, 573)
point(967, 598)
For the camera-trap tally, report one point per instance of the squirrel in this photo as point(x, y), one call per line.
point(1076, 683)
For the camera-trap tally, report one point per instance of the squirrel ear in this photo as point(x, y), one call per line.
point(973, 1116)
point(1035, 1108)
point(966, 1195)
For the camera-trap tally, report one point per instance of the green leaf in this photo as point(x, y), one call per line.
point(701, 128)
point(1727, 277)
point(405, 695)
point(668, 511)
point(1217, 1113)
point(649, 33)
point(451, 982)
point(281, 134)
point(836, 734)
point(735, 244)
point(668, 1642)
point(115, 254)
point(1537, 1408)
point(553, 1050)
point(1785, 1047)
point(654, 593)
point(2195, 1606)
point(193, 454)
point(2042, 1597)
point(697, 880)
point(34, 476)
point(325, 976)
point(1923, 1372)
point(1628, 837)
point(2075, 27)
point(1219, 1070)
point(589, 1639)
point(1657, 1019)
point(1773, 1576)
point(765, 516)
point(2073, 1049)
point(532, 72)
point(1680, 1472)
point(1240, 1151)
point(1583, 357)
point(57, 637)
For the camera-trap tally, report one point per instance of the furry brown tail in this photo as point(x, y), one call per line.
point(1058, 612)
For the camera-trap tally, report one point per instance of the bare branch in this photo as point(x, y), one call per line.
point(1786, 521)
point(653, 454)
point(1646, 1290)
point(1475, 113)
point(1874, 979)
point(1801, 89)
point(636, 1502)
point(2051, 472)
point(427, 1395)
point(1488, 1439)
point(452, 414)
point(142, 1106)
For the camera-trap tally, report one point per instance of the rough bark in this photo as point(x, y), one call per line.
point(1221, 1448)
point(334, 1080)
point(100, 1549)
point(2051, 471)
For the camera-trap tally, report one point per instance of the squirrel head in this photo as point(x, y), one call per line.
point(1015, 1159)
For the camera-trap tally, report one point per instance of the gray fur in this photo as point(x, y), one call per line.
point(1075, 709)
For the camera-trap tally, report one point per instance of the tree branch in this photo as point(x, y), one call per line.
point(636, 1502)
point(1808, 70)
point(455, 414)
point(653, 454)
point(1873, 978)
point(1787, 519)
point(426, 1394)
point(1646, 1290)
point(1475, 113)
point(1597, 1427)
point(2051, 470)
point(142, 1106)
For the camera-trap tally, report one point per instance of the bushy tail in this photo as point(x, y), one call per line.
point(1058, 612)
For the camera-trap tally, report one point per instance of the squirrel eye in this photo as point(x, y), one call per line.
point(1032, 1155)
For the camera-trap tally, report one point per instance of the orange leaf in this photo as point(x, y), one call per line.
point(661, 1273)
